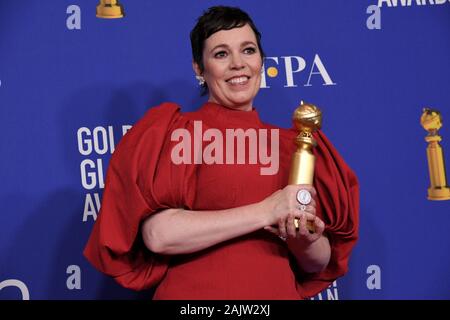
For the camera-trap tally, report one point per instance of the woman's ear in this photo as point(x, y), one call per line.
point(196, 67)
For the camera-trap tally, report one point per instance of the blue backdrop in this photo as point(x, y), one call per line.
point(71, 84)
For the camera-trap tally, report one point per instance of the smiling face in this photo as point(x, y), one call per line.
point(232, 67)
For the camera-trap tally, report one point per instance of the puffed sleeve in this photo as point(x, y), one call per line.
point(338, 206)
point(140, 180)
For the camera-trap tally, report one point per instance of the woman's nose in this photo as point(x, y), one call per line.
point(236, 61)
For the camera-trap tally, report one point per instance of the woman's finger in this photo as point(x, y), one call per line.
point(282, 228)
point(290, 226)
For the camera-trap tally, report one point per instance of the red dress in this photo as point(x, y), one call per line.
point(142, 179)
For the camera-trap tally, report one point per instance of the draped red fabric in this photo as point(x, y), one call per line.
point(141, 180)
point(131, 193)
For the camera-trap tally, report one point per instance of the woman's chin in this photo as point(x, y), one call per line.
point(242, 99)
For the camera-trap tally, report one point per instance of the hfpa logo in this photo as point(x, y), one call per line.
point(291, 65)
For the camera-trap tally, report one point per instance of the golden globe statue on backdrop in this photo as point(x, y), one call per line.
point(307, 118)
point(431, 121)
point(110, 9)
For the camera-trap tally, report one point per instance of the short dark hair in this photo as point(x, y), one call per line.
point(215, 19)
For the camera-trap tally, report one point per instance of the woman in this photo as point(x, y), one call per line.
point(221, 229)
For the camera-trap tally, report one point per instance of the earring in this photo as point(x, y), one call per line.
point(201, 80)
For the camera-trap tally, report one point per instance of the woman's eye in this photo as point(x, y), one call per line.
point(249, 50)
point(220, 54)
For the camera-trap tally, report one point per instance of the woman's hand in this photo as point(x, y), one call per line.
point(283, 208)
point(312, 250)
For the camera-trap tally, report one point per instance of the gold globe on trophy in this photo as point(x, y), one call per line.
point(307, 118)
point(431, 121)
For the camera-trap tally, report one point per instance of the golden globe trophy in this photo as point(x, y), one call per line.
point(431, 121)
point(307, 118)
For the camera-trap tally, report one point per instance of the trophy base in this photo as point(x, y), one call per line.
point(112, 11)
point(439, 193)
point(309, 225)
